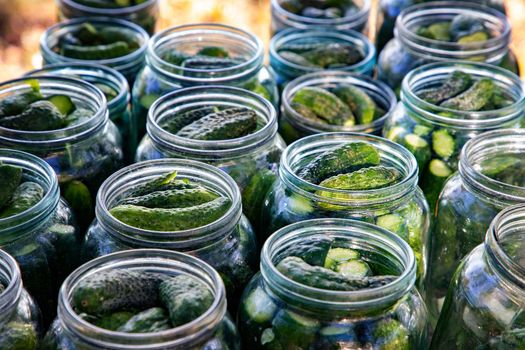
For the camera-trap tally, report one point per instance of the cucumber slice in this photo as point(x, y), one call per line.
point(396, 134)
point(300, 205)
point(422, 130)
point(294, 331)
point(393, 223)
point(259, 306)
point(419, 148)
point(354, 269)
point(443, 143)
point(434, 179)
point(336, 256)
point(62, 103)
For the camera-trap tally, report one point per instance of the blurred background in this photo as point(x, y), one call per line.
point(23, 21)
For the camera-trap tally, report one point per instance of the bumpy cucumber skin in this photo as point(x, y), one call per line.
point(364, 179)
point(185, 297)
point(97, 52)
point(174, 123)
point(15, 104)
point(173, 198)
point(209, 63)
point(169, 220)
point(296, 58)
point(78, 196)
point(325, 105)
point(334, 55)
point(224, 125)
point(360, 103)
point(18, 336)
point(255, 192)
point(113, 321)
point(345, 158)
point(150, 320)
point(164, 182)
point(111, 290)
point(455, 84)
point(306, 112)
point(25, 196)
point(392, 335)
point(473, 99)
point(38, 116)
point(10, 178)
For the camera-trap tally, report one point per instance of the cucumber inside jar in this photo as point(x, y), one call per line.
point(320, 54)
point(320, 9)
point(462, 29)
point(17, 195)
point(111, 4)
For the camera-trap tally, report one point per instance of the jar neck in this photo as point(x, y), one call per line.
point(391, 154)
point(119, 185)
point(145, 6)
point(492, 50)
point(220, 96)
point(507, 229)
point(481, 150)
point(11, 279)
point(435, 74)
point(183, 38)
point(374, 240)
point(34, 169)
point(380, 93)
point(83, 94)
point(354, 21)
point(145, 260)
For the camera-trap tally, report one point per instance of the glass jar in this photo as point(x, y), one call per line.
point(228, 244)
point(484, 306)
point(282, 19)
point(160, 76)
point(279, 313)
point(44, 239)
point(19, 315)
point(83, 155)
point(408, 50)
point(144, 14)
point(251, 160)
point(292, 199)
point(128, 65)
point(212, 330)
point(467, 204)
point(287, 71)
point(418, 119)
point(114, 86)
point(390, 9)
point(293, 126)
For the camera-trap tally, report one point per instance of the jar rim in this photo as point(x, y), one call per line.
point(351, 36)
point(363, 12)
point(56, 137)
point(140, 172)
point(129, 59)
point(217, 76)
point(340, 300)
point(355, 199)
point(111, 11)
point(451, 50)
point(10, 296)
point(474, 151)
point(183, 335)
point(35, 216)
point(467, 119)
point(340, 77)
point(212, 148)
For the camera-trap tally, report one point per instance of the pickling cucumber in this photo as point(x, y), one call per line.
point(393, 223)
point(419, 147)
point(214, 51)
point(209, 63)
point(38, 116)
point(363, 179)
point(334, 55)
point(164, 182)
point(434, 179)
point(151, 320)
point(306, 112)
point(18, 336)
point(259, 306)
point(112, 321)
point(473, 99)
point(16, 103)
point(63, 103)
point(295, 58)
point(360, 103)
point(325, 105)
point(183, 198)
point(456, 83)
point(294, 331)
point(173, 123)
point(27, 195)
point(10, 178)
point(96, 52)
point(464, 25)
point(443, 143)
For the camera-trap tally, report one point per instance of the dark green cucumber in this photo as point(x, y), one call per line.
point(334, 55)
point(434, 179)
point(18, 336)
point(151, 320)
point(259, 306)
point(97, 52)
point(171, 219)
point(325, 105)
point(336, 256)
point(294, 331)
point(254, 193)
point(473, 99)
point(173, 123)
point(345, 158)
point(38, 116)
point(313, 252)
point(168, 181)
point(210, 63)
point(176, 57)
point(63, 103)
point(79, 116)
point(112, 290)
point(10, 178)
point(390, 334)
point(16, 103)
point(224, 125)
point(27, 195)
point(456, 83)
point(296, 58)
point(360, 103)
point(437, 31)
point(443, 144)
point(419, 148)
point(184, 198)
point(213, 51)
point(114, 320)
point(364, 179)
point(77, 194)
point(306, 112)
point(185, 297)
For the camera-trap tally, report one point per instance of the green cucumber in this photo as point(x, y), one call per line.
point(259, 306)
point(296, 58)
point(334, 55)
point(18, 336)
point(294, 331)
point(10, 178)
point(354, 269)
point(16, 103)
point(474, 38)
point(27, 195)
point(393, 223)
point(213, 51)
point(313, 252)
point(209, 63)
point(325, 105)
point(336, 256)
point(114, 320)
point(360, 103)
point(363, 179)
point(155, 319)
point(391, 334)
point(38, 116)
point(185, 297)
point(439, 31)
point(464, 25)
point(96, 52)
point(419, 147)
point(422, 130)
point(434, 179)
point(168, 181)
point(254, 193)
point(443, 143)
point(63, 103)
point(456, 83)
point(473, 99)
point(306, 112)
point(78, 196)
point(173, 123)
point(184, 198)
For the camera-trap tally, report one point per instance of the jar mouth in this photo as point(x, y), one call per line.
point(150, 260)
point(79, 91)
point(351, 233)
point(200, 96)
point(337, 36)
point(484, 148)
point(493, 49)
point(391, 154)
point(51, 36)
point(509, 222)
point(118, 185)
point(428, 75)
point(381, 93)
point(215, 35)
point(113, 11)
point(92, 73)
point(10, 274)
point(291, 18)
point(37, 170)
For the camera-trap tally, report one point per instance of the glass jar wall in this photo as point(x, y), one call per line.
point(279, 312)
point(212, 329)
point(251, 160)
point(227, 243)
point(484, 306)
point(490, 178)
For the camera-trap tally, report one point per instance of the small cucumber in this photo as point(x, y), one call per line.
point(27, 195)
point(168, 181)
point(213, 51)
point(78, 195)
point(325, 105)
point(464, 25)
point(18, 336)
point(10, 178)
point(360, 103)
point(259, 306)
point(456, 83)
point(38, 116)
point(184, 198)
point(296, 58)
point(63, 103)
point(114, 320)
point(440, 31)
point(473, 99)
point(306, 112)
point(16, 103)
point(176, 121)
point(443, 143)
point(313, 252)
point(419, 148)
point(364, 179)
point(294, 331)
point(334, 55)
point(210, 63)
point(254, 193)
point(434, 179)
point(474, 38)
point(96, 52)
point(151, 320)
